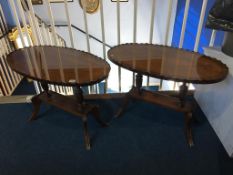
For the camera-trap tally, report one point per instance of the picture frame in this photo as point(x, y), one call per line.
point(91, 5)
point(40, 2)
point(36, 2)
point(60, 1)
point(120, 0)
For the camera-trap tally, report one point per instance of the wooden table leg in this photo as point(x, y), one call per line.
point(78, 92)
point(45, 88)
point(188, 129)
point(96, 114)
point(74, 106)
point(123, 105)
point(187, 115)
point(79, 98)
point(139, 82)
point(36, 102)
point(183, 94)
point(86, 134)
point(128, 95)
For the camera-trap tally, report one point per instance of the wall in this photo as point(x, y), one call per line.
point(216, 101)
point(143, 25)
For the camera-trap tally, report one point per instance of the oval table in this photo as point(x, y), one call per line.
point(61, 66)
point(167, 63)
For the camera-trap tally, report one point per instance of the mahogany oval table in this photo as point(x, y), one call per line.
point(167, 63)
point(61, 66)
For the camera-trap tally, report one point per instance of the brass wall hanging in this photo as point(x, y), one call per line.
point(91, 5)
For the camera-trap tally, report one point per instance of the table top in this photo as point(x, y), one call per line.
point(168, 63)
point(59, 65)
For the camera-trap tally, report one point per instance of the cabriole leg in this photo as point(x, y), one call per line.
point(86, 135)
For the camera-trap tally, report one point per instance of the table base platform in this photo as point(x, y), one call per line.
point(70, 105)
point(159, 98)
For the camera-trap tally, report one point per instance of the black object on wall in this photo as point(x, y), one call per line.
point(221, 18)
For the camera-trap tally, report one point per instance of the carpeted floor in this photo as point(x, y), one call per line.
point(146, 140)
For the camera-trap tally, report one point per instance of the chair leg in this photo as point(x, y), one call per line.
point(86, 134)
point(188, 129)
point(36, 108)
